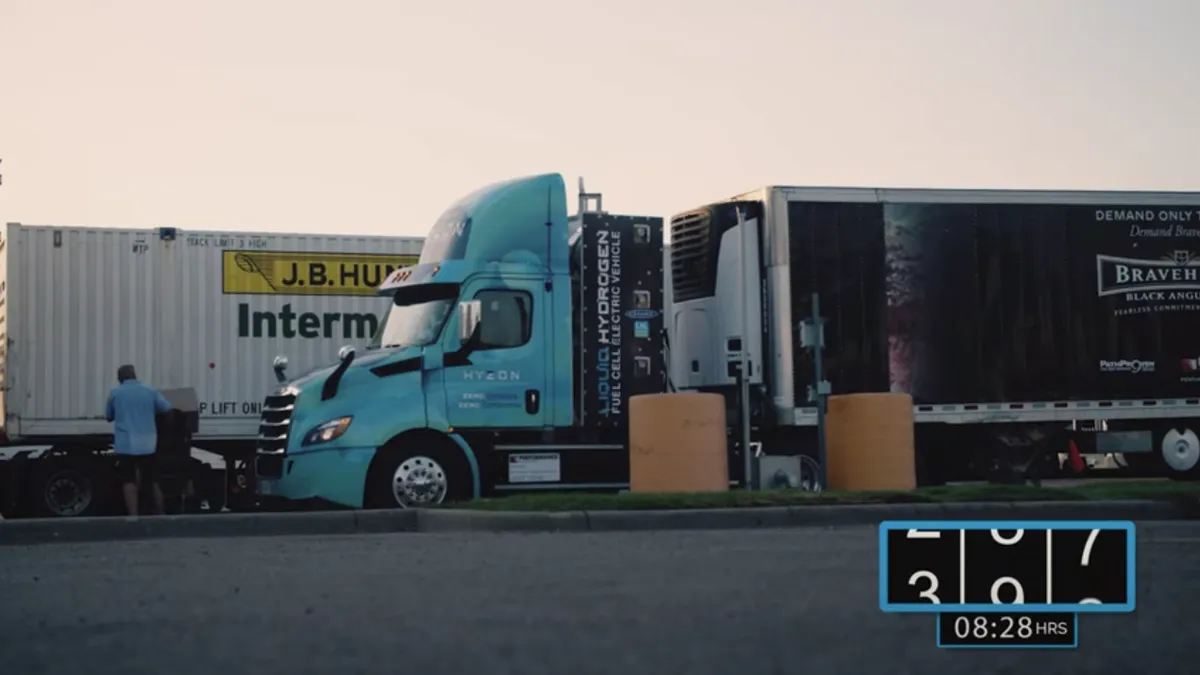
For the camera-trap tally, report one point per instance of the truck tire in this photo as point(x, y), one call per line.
point(71, 487)
point(1179, 453)
point(417, 471)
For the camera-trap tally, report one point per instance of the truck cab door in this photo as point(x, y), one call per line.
point(502, 382)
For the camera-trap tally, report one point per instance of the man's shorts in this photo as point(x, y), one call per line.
point(130, 466)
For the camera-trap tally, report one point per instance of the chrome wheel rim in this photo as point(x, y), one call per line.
point(419, 481)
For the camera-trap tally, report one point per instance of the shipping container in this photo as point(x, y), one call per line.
point(205, 310)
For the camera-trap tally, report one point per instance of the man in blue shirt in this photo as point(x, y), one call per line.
point(132, 407)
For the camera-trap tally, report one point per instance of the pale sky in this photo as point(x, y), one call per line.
point(371, 116)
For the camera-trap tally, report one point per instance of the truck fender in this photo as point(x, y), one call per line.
point(472, 462)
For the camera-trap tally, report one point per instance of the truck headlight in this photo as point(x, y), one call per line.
point(327, 431)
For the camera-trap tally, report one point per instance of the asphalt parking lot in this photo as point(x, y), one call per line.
point(695, 602)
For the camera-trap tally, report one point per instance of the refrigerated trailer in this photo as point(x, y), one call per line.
point(203, 310)
point(1024, 324)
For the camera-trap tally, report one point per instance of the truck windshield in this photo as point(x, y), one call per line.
point(416, 316)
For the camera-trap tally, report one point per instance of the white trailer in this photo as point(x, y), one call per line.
point(1026, 325)
point(201, 310)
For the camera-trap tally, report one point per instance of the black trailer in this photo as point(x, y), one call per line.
point(1007, 315)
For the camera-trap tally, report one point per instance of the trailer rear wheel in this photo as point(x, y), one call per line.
point(1179, 450)
point(419, 471)
point(70, 488)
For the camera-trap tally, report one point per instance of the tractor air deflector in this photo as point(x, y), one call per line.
point(406, 276)
point(516, 222)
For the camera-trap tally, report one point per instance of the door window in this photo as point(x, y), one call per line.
point(506, 318)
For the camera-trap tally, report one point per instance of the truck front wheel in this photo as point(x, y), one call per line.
point(418, 472)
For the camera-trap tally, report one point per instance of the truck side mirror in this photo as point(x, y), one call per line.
point(470, 319)
point(280, 365)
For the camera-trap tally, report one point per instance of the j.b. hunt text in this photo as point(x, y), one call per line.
point(352, 275)
point(608, 310)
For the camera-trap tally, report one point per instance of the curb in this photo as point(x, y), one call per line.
point(76, 530)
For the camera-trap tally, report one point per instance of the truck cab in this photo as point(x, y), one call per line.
point(504, 362)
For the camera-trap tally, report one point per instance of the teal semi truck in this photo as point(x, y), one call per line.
point(506, 362)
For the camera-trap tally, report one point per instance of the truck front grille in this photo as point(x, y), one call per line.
point(276, 423)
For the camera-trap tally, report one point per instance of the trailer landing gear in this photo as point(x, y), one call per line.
point(1017, 455)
